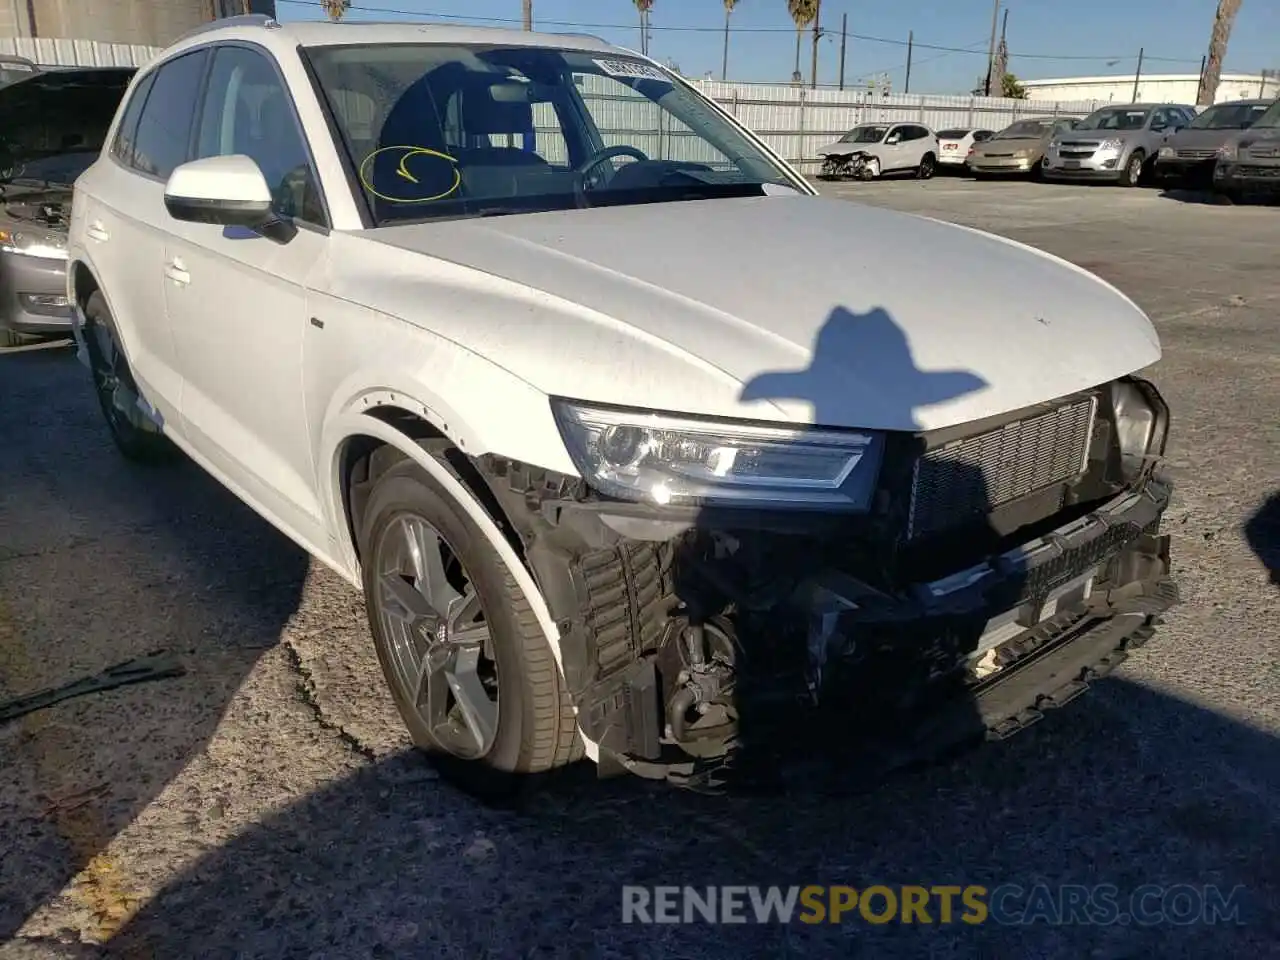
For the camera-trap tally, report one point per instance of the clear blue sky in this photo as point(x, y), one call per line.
point(1047, 38)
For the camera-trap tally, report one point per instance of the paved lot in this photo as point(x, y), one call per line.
point(263, 805)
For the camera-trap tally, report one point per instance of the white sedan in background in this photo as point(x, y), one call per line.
point(954, 144)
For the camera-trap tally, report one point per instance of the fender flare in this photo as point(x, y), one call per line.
point(353, 423)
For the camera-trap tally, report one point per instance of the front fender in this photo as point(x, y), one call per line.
point(353, 421)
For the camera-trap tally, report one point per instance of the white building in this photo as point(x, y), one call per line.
point(1152, 88)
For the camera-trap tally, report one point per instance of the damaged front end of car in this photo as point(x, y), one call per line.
point(730, 591)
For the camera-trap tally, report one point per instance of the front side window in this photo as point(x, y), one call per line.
point(445, 131)
point(247, 110)
point(1116, 118)
point(164, 130)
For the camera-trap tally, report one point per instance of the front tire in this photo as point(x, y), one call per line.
point(1133, 168)
point(117, 391)
point(467, 662)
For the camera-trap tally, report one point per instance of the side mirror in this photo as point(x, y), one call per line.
point(228, 191)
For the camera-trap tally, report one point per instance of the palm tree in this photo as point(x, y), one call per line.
point(335, 8)
point(644, 6)
point(1223, 21)
point(803, 12)
point(728, 15)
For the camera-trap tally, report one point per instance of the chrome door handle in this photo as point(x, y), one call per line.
point(96, 231)
point(176, 271)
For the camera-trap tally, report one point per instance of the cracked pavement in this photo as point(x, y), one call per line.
point(266, 803)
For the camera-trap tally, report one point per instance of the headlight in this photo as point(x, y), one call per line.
point(1142, 424)
point(1228, 151)
point(1167, 152)
point(1054, 144)
point(670, 459)
point(28, 244)
point(1111, 145)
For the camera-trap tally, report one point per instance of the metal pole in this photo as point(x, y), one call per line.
point(844, 42)
point(991, 50)
point(817, 35)
point(911, 39)
point(724, 69)
point(1137, 76)
point(528, 14)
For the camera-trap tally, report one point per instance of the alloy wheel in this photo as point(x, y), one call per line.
point(113, 382)
point(440, 646)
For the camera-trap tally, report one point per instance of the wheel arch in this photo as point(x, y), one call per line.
point(376, 434)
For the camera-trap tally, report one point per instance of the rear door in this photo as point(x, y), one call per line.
point(124, 219)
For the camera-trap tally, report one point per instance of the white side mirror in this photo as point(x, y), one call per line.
point(229, 191)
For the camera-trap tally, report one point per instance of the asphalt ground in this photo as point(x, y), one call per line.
point(265, 804)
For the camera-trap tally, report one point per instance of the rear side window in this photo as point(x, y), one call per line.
point(163, 140)
point(122, 146)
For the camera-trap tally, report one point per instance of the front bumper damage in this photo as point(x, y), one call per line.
point(694, 649)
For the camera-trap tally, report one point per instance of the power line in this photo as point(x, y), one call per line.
point(578, 25)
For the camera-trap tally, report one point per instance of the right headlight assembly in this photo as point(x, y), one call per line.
point(671, 459)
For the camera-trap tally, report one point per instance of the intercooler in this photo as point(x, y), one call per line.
point(972, 476)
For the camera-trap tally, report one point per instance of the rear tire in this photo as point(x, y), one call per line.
point(525, 723)
point(927, 168)
point(117, 391)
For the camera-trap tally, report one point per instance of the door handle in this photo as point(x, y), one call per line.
point(176, 271)
point(96, 231)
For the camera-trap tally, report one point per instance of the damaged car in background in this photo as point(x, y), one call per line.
point(52, 125)
point(618, 473)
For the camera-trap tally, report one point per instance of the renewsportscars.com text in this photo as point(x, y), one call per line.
point(1103, 904)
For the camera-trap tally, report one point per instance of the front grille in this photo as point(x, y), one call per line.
point(971, 477)
point(1269, 173)
point(1188, 154)
point(1264, 152)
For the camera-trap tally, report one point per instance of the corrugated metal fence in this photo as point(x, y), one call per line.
point(47, 52)
point(797, 121)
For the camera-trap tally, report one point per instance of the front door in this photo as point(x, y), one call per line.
point(237, 301)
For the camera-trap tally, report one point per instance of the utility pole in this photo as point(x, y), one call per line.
point(844, 44)
point(1137, 76)
point(991, 50)
point(911, 38)
point(528, 14)
point(817, 35)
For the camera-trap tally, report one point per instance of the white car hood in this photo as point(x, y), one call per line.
point(833, 312)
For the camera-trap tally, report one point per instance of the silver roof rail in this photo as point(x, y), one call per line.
point(244, 20)
point(583, 36)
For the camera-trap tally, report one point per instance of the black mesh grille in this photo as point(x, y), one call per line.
point(973, 476)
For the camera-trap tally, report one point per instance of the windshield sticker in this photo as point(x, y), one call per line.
point(629, 68)
point(395, 174)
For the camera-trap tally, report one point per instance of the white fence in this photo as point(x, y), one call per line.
point(47, 52)
point(797, 121)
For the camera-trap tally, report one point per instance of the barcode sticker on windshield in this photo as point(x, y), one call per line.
point(629, 68)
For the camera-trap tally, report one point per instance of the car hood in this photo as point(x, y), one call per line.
point(1268, 136)
point(838, 149)
point(1008, 145)
point(1189, 139)
point(58, 113)
point(826, 311)
point(1080, 134)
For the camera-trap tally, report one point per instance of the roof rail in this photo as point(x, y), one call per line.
point(584, 36)
point(244, 20)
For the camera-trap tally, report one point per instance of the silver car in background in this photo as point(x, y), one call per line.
point(1117, 144)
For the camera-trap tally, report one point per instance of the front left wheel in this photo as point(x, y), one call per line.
point(469, 667)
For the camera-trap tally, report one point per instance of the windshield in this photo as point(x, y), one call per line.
point(1116, 118)
point(438, 131)
point(1270, 119)
point(1229, 116)
point(867, 134)
point(52, 126)
point(1024, 129)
